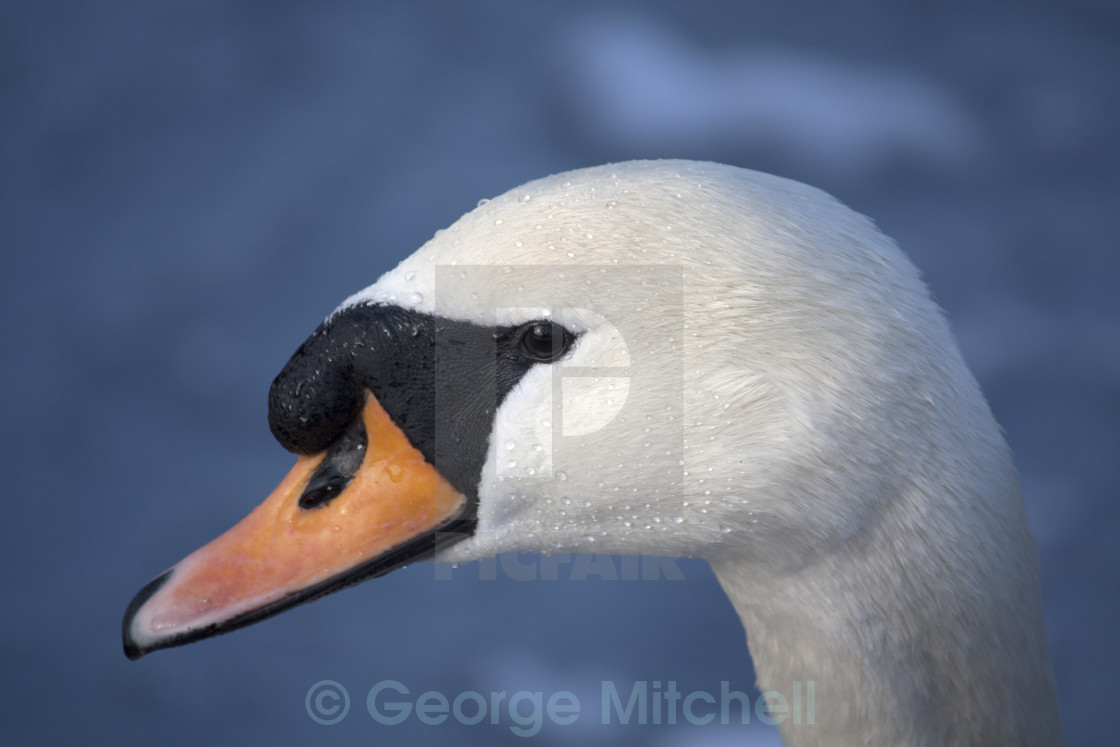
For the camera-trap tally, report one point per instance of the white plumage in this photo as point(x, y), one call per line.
point(762, 381)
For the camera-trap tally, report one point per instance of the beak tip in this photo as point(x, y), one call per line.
point(133, 648)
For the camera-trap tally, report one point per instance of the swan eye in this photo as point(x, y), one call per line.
point(544, 341)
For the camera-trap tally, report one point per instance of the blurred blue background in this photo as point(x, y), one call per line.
point(187, 189)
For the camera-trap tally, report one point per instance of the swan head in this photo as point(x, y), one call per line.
point(663, 358)
point(753, 365)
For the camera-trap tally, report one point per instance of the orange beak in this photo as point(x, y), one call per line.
point(280, 555)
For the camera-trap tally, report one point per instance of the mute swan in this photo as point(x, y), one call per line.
point(668, 358)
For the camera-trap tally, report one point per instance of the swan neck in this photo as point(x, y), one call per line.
point(901, 650)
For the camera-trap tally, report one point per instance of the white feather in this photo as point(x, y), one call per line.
point(783, 399)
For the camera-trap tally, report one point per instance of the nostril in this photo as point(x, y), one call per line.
point(320, 495)
point(343, 459)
